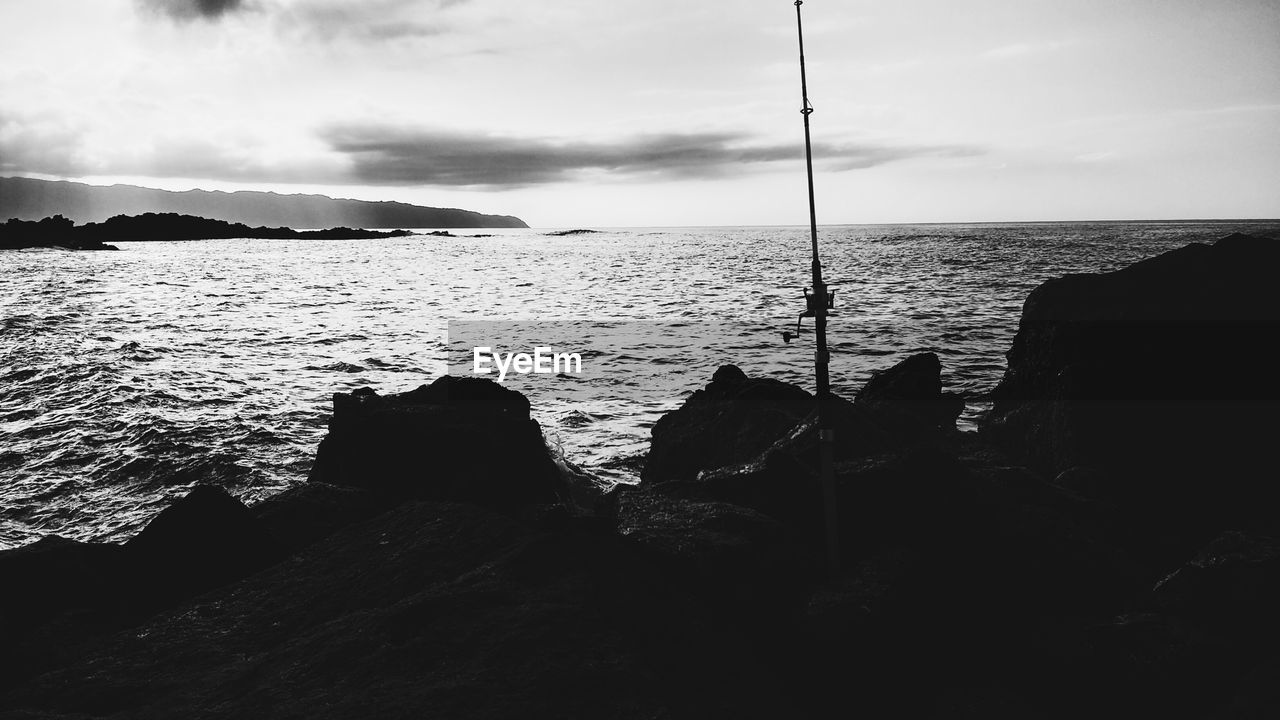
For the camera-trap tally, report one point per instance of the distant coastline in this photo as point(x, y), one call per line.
point(58, 231)
point(32, 199)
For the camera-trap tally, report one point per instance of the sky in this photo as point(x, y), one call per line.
point(580, 113)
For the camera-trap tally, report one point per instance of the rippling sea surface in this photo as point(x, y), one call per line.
point(126, 377)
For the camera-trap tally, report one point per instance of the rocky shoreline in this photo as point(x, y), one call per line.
point(1103, 546)
point(58, 231)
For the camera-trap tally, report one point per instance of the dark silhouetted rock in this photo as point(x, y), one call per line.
point(754, 443)
point(910, 393)
point(460, 439)
point(737, 420)
point(731, 420)
point(1156, 375)
point(1152, 665)
point(737, 555)
point(1006, 528)
point(1232, 586)
point(58, 595)
point(171, 226)
point(55, 593)
point(1203, 643)
point(56, 231)
point(435, 610)
point(55, 575)
point(305, 513)
point(202, 541)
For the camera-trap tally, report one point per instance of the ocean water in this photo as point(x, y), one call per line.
point(127, 377)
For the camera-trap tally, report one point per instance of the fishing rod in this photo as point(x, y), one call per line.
point(817, 304)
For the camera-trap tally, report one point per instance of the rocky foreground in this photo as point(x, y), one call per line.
point(1105, 546)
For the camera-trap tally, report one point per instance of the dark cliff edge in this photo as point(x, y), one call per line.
point(1098, 549)
point(58, 231)
point(32, 199)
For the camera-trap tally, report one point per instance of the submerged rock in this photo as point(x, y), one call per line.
point(458, 439)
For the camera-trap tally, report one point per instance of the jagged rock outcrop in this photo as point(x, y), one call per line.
point(59, 594)
point(50, 232)
point(58, 231)
point(904, 481)
point(731, 420)
point(736, 419)
point(204, 540)
point(459, 439)
point(910, 394)
point(1158, 377)
point(311, 511)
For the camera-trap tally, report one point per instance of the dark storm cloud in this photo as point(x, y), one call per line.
point(404, 156)
point(326, 19)
point(194, 9)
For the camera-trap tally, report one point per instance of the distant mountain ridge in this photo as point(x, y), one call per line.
point(31, 199)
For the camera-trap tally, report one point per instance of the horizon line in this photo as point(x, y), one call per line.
point(680, 225)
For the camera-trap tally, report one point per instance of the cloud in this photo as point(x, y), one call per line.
point(38, 144)
point(194, 9)
point(366, 20)
point(383, 155)
point(320, 19)
point(54, 145)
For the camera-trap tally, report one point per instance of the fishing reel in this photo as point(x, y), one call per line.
point(825, 300)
